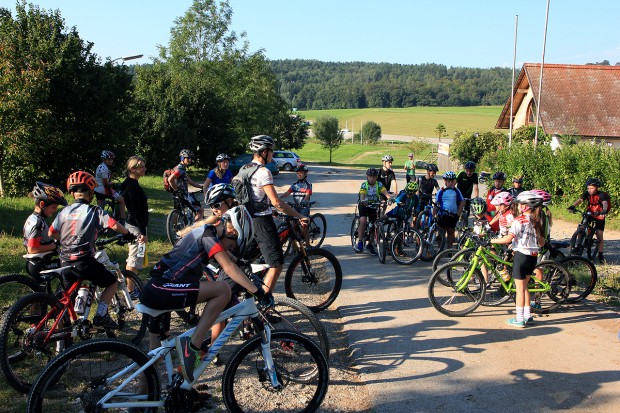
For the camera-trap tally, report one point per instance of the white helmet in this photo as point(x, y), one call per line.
point(241, 220)
point(530, 198)
point(387, 158)
point(261, 142)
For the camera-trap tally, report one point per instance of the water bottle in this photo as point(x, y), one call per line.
point(141, 250)
point(81, 300)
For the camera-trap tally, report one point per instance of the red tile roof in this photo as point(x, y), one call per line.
point(581, 100)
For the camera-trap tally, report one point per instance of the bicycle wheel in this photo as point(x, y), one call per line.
point(424, 221)
point(77, 379)
point(406, 246)
point(300, 367)
point(591, 247)
point(132, 323)
point(15, 286)
point(291, 315)
point(354, 225)
point(495, 294)
point(558, 279)
point(583, 277)
point(175, 221)
point(314, 279)
point(433, 241)
point(577, 243)
point(25, 326)
point(446, 299)
point(443, 257)
point(381, 244)
point(317, 230)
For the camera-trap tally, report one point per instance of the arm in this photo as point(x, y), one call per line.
point(173, 180)
point(205, 186)
point(285, 194)
point(281, 206)
point(506, 239)
point(475, 191)
point(234, 272)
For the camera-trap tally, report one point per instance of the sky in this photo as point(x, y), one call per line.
point(475, 33)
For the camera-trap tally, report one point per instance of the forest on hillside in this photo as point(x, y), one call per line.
point(312, 85)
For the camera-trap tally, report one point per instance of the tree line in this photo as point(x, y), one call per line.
point(312, 84)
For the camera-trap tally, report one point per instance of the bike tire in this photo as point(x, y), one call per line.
point(132, 323)
point(354, 226)
point(23, 352)
point(423, 221)
point(317, 230)
point(15, 286)
point(406, 246)
point(446, 299)
point(591, 247)
point(444, 257)
point(291, 315)
point(577, 243)
point(301, 368)
point(463, 255)
point(175, 221)
point(583, 277)
point(82, 376)
point(557, 276)
point(433, 241)
point(381, 244)
point(314, 278)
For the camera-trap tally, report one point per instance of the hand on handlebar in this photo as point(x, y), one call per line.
point(572, 208)
point(129, 237)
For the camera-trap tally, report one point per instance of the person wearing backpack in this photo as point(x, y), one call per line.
point(450, 203)
point(259, 199)
point(180, 182)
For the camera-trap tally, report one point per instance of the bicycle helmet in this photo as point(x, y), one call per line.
point(478, 206)
point(530, 198)
point(499, 176)
point(80, 179)
point(105, 154)
point(503, 198)
point(449, 175)
point(301, 168)
point(432, 167)
point(261, 142)
point(220, 193)
point(186, 153)
point(241, 220)
point(470, 165)
point(411, 188)
point(594, 182)
point(517, 179)
point(544, 194)
point(372, 172)
point(387, 158)
point(49, 194)
point(222, 157)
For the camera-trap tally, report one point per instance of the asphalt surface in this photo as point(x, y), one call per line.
point(414, 359)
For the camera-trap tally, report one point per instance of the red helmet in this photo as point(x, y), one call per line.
point(544, 194)
point(80, 179)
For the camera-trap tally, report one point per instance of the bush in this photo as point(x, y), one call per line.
point(470, 146)
point(371, 132)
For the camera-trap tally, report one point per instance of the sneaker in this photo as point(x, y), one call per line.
point(134, 295)
point(601, 259)
point(359, 247)
point(370, 250)
point(513, 322)
point(535, 305)
point(187, 356)
point(105, 321)
point(529, 321)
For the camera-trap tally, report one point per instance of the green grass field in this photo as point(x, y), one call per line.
point(417, 121)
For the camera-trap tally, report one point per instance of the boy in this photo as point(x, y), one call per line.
point(407, 203)
point(76, 227)
point(517, 186)
point(179, 182)
point(386, 174)
point(450, 203)
point(301, 190)
point(467, 183)
point(105, 187)
point(498, 186)
point(426, 184)
point(371, 191)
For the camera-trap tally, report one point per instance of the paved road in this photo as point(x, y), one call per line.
point(414, 359)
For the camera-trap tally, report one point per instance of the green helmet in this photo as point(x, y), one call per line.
point(411, 188)
point(478, 206)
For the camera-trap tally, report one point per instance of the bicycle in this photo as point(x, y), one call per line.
point(374, 232)
point(462, 225)
point(405, 243)
point(180, 217)
point(40, 325)
point(275, 369)
point(317, 229)
point(584, 237)
point(458, 287)
point(583, 277)
point(433, 236)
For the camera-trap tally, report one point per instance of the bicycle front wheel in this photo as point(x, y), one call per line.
point(450, 300)
point(175, 221)
point(424, 221)
point(317, 230)
point(301, 370)
point(132, 323)
point(76, 380)
point(406, 246)
point(558, 279)
point(381, 244)
point(577, 242)
point(433, 242)
point(354, 226)
point(314, 278)
point(583, 277)
point(15, 286)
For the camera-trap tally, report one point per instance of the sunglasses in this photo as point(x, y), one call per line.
point(217, 205)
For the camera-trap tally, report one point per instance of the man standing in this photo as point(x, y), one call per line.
point(410, 168)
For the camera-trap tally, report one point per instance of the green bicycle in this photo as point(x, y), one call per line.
point(459, 287)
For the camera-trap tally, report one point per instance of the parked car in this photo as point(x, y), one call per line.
point(286, 160)
point(237, 162)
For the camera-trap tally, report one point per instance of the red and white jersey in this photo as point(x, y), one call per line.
point(525, 239)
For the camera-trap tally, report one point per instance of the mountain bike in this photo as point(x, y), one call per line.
point(458, 287)
point(40, 325)
point(583, 277)
point(317, 229)
point(180, 217)
point(404, 242)
point(584, 237)
point(375, 231)
point(270, 371)
point(462, 225)
point(433, 236)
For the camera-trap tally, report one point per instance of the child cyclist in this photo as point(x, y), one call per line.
point(407, 203)
point(527, 236)
point(77, 227)
point(179, 182)
point(301, 190)
point(449, 206)
point(371, 191)
point(47, 198)
point(105, 187)
point(498, 186)
point(504, 215)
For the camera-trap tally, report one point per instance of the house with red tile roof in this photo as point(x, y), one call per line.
point(581, 100)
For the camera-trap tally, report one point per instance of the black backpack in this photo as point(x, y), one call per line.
point(243, 189)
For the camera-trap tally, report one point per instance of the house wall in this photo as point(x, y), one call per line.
point(521, 115)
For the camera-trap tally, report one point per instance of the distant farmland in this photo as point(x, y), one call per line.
point(417, 121)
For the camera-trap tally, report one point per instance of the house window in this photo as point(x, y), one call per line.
point(531, 113)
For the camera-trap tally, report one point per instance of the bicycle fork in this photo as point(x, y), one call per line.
point(270, 368)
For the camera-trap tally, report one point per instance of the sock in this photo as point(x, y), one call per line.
point(102, 310)
point(527, 313)
point(193, 347)
point(519, 313)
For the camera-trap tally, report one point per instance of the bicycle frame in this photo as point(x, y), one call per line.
point(240, 312)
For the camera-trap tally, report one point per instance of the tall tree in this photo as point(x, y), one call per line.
point(326, 130)
point(371, 132)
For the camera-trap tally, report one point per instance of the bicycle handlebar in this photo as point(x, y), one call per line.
point(118, 239)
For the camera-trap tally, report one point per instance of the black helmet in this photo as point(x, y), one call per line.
point(301, 168)
point(261, 142)
point(432, 167)
point(219, 193)
point(594, 182)
point(48, 194)
point(105, 154)
point(499, 176)
point(518, 179)
point(470, 165)
point(186, 153)
point(372, 172)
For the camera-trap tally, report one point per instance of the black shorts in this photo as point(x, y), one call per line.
point(447, 221)
point(523, 265)
point(88, 269)
point(266, 235)
point(163, 294)
point(371, 213)
point(599, 224)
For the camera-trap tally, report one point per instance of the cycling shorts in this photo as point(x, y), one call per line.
point(447, 221)
point(523, 265)
point(88, 269)
point(113, 195)
point(371, 213)
point(599, 224)
point(268, 240)
point(162, 293)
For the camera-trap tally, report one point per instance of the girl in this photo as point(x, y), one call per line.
point(526, 235)
point(220, 174)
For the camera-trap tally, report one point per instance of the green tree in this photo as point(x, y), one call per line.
point(440, 130)
point(473, 146)
point(293, 132)
point(327, 131)
point(371, 132)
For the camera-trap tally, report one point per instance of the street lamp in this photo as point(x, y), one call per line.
point(126, 58)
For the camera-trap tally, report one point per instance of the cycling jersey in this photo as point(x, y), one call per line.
point(372, 192)
point(465, 183)
point(103, 172)
point(300, 189)
point(595, 203)
point(505, 221)
point(225, 179)
point(490, 195)
point(386, 177)
point(525, 239)
point(259, 180)
point(449, 199)
point(36, 231)
point(410, 205)
point(180, 173)
point(515, 191)
point(426, 185)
